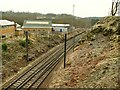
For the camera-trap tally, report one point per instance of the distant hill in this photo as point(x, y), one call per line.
point(19, 17)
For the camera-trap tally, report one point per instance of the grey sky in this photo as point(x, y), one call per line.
point(83, 8)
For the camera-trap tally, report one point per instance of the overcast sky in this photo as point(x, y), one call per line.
point(83, 8)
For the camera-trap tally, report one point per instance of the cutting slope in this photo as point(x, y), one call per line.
point(96, 60)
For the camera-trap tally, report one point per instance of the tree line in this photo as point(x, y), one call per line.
point(19, 18)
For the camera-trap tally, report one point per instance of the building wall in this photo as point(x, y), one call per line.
point(19, 32)
point(34, 29)
point(60, 29)
point(38, 31)
point(7, 31)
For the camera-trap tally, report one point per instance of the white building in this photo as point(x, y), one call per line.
point(61, 27)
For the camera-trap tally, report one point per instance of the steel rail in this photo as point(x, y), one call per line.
point(42, 69)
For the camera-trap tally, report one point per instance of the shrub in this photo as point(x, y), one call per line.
point(22, 43)
point(4, 47)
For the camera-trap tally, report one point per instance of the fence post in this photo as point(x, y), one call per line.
point(65, 50)
point(26, 33)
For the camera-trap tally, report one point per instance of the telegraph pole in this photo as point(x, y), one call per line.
point(26, 45)
point(65, 49)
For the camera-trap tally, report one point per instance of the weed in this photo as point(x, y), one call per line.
point(22, 43)
point(4, 47)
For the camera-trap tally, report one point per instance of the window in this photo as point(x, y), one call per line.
point(3, 36)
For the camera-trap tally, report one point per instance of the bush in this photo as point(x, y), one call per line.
point(22, 43)
point(4, 47)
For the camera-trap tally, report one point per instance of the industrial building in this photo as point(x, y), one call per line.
point(7, 28)
point(19, 32)
point(61, 27)
point(33, 25)
point(10, 29)
point(37, 27)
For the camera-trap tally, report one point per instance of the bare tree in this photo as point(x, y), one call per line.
point(115, 5)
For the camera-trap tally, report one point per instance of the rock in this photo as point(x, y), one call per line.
point(12, 70)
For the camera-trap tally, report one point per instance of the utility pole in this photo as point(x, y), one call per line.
point(73, 28)
point(26, 45)
point(65, 49)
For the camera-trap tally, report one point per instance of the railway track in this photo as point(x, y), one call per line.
point(37, 73)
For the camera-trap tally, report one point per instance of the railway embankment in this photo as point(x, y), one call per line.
point(14, 55)
point(96, 60)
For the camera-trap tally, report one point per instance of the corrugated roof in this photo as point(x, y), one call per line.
point(61, 25)
point(36, 24)
point(6, 22)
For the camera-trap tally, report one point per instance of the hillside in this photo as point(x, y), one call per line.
point(96, 60)
point(19, 17)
